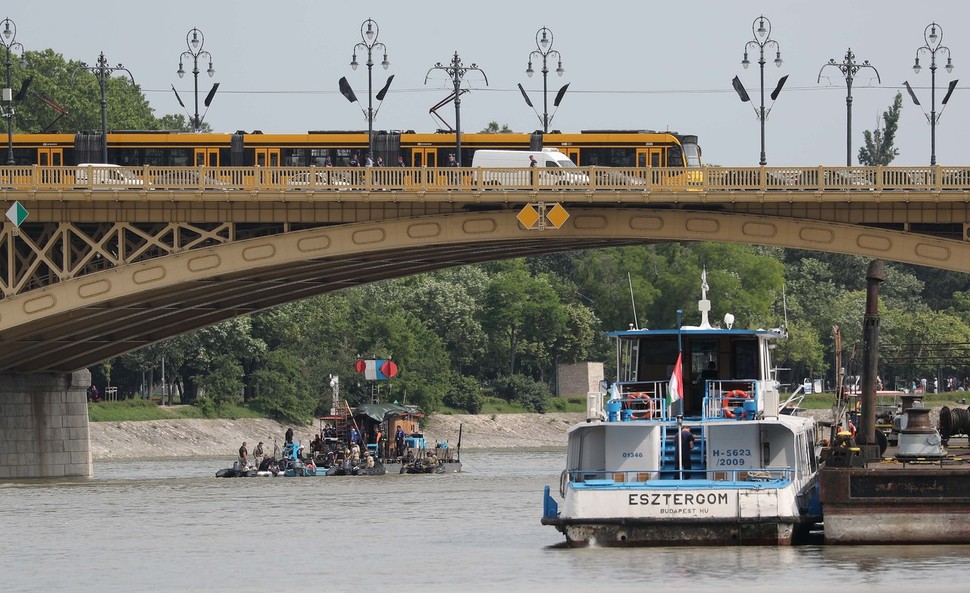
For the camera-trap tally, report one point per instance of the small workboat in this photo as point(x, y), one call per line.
point(689, 446)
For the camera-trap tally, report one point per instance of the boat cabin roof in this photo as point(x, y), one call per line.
point(696, 331)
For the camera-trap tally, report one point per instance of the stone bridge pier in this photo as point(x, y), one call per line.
point(44, 425)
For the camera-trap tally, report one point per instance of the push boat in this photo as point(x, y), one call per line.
point(750, 477)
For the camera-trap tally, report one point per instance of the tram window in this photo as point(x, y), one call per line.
point(180, 157)
point(294, 157)
point(318, 156)
point(260, 159)
point(654, 159)
point(675, 157)
point(200, 159)
point(693, 153)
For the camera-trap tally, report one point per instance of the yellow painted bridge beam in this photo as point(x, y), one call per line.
point(83, 319)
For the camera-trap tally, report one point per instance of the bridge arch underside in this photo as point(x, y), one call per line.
point(75, 323)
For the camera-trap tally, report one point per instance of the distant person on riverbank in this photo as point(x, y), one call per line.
point(399, 438)
point(289, 436)
point(243, 457)
point(258, 454)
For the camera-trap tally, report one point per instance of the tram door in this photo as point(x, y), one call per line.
point(424, 156)
point(573, 154)
point(650, 157)
point(206, 157)
point(268, 157)
point(49, 156)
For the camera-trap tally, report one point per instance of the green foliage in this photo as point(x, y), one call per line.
point(128, 410)
point(569, 405)
point(464, 393)
point(493, 128)
point(223, 383)
point(281, 389)
point(879, 149)
point(68, 84)
point(508, 324)
point(529, 393)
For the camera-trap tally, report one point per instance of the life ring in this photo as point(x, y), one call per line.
point(641, 413)
point(734, 394)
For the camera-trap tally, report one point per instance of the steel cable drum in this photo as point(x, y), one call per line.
point(945, 423)
point(954, 422)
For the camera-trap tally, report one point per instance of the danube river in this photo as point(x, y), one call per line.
point(172, 526)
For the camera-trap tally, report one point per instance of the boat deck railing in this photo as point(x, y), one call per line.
point(737, 399)
point(695, 478)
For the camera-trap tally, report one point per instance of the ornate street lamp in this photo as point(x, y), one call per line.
point(456, 71)
point(761, 27)
point(9, 40)
point(544, 40)
point(103, 72)
point(369, 31)
point(849, 69)
point(934, 43)
point(194, 39)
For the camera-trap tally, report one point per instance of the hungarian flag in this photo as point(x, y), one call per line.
point(675, 390)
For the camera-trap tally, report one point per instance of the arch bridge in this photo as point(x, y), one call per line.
point(106, 260)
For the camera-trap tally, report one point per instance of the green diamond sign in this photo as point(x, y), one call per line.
point(17, 214)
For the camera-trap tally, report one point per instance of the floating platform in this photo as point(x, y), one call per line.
point(892, 501)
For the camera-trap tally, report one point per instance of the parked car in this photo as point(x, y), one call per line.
point(102, 176)
point(323, 179)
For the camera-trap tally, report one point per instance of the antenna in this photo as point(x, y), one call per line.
point(629, 279)
point(784, 305)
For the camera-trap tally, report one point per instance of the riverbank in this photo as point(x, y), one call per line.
point(163, 439)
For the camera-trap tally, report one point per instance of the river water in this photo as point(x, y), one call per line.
point(152, 526)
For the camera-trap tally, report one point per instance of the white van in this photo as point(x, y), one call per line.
point(101, 175)
point(554, 167)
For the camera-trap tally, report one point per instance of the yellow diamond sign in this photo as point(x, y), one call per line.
point(528, 216)
point(557, 215)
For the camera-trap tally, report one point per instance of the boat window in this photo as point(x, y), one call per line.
point(703, 360)
point(746, 360)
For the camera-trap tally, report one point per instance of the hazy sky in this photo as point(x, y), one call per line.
point(630, 65)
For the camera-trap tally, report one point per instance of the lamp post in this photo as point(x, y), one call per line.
point(369, 32)
point(103, 72)
point(456, 71)
point(934, 43)
point(544, 43)
point(849, 69)
point(194, 39)
point(9, 40)
point(761, 27)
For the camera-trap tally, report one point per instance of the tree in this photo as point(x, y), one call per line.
point(59, 82)
point(180, 123)
point(879, 149)
point(492, 128)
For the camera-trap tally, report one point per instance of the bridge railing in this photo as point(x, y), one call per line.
point(452, 179)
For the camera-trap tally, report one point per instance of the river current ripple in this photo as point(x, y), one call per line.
point(171, 526)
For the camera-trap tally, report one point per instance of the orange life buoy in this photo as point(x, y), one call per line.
point(644, 402)
point(734, 394)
